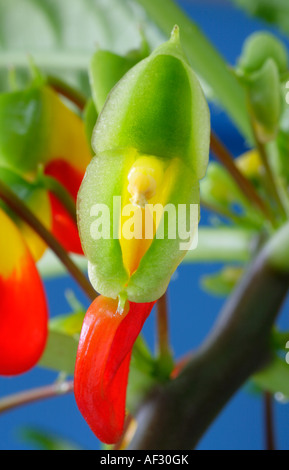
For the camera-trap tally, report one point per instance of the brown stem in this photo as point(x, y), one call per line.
point(224, 156)
point(272, 187)
point(19, 208)
point(61, 193)
point(30, 396)
point(269, 422)
point(163, 326)
point(67, 91)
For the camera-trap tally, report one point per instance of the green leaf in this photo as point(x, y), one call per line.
point(44, 440)
point(275, 377)
point(222, 244)
point(223, 282)
point(62, 344)
point(61, 36)
point(274, 12)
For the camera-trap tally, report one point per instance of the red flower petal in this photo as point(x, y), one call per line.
point(63, 227)
point(23, 309)
point(102, 364)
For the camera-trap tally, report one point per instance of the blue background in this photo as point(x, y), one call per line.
point(192, 311)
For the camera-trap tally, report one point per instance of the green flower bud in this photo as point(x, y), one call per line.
point(265, 101)
point(258, 48)
point(152, 144)
point(263, 61)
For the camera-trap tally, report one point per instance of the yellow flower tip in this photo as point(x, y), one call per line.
point(144, 179)
point(249, 163)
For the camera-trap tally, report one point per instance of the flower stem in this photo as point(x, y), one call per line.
point(61, 193)
point(30, 396)
point(67, 91)
point(269, 422)
point(17, 206)
point(272, 185)
point(163, 326)
point(224, 156)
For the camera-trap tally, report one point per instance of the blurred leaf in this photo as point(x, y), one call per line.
point(223, 282)
point(275, 377)
point(274, 12)
point(43, 440)
point(223, 244)
point(61, 36)
point(61, 347)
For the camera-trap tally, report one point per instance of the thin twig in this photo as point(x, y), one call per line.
point(163, 326)
point(36, 394)
point(224, 156)
point(67, 91)
point(269, 422)
point(272, 186)
point(61, 193)
point(17, 206)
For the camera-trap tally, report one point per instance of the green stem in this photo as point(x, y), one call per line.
point(19, 208)
point(204, 58)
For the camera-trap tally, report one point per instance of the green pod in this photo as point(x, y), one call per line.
point(155, 124)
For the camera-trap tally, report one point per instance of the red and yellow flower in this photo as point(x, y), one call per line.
point(38, 131)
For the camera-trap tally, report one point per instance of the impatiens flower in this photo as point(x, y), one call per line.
point(151, 142)
point(39, 131)
point(23, 309)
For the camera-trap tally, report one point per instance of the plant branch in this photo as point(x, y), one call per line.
point(36, 394)
point(177, 414)
point(19, 208)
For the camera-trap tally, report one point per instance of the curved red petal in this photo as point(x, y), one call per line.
point(63, 227)
point(102, 364)
point(23, 309)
